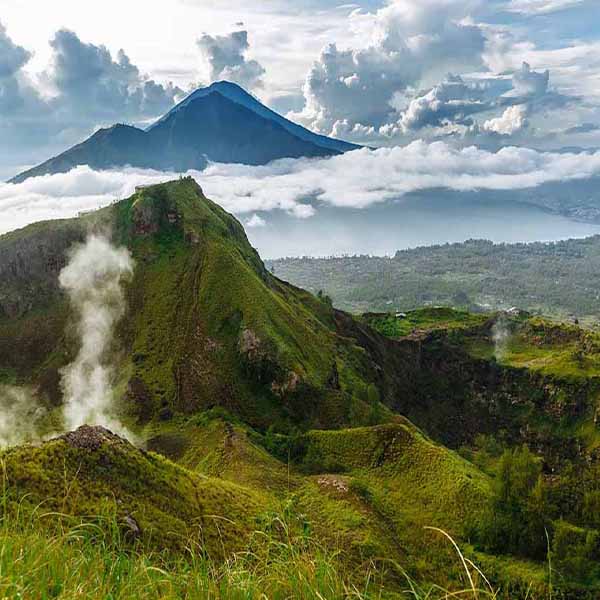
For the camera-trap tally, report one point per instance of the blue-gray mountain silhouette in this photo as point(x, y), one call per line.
point(220, 123)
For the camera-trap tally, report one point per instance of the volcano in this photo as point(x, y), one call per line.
point(221, 123)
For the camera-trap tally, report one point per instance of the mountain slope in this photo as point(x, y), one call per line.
point(118, 146)
point(150, 497)
point(221, 123)
point(206, 323)
point(226, 131)
point(237, 94)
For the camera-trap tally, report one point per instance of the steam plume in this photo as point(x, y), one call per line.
point(93, 280)
point(501, 335)
point(20, 416)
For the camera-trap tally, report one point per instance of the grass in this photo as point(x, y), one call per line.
point(199, 291)
point(232, 516)
point(543, 346)
point(85, 563)
point(423, 320)
point(78, 563)
point(170, 504)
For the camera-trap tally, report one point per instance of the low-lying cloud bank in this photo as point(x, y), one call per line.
point(358, 179)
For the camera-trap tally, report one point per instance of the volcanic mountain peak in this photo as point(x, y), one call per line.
point(239, 95)
point(220, 123)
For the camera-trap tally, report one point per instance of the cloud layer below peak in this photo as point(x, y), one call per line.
point(357, 179)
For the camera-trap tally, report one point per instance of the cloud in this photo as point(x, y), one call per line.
point(451, 101)
point(14, 95)
point(410, 43)
point(255, 221)
point(528, 83)
point(226, 58)
point(12, 57)
point(541, 7)
point(583, 128)
point(449, 107)
point(93, 83)
point(386, 90)
point(512, 120)
point(89, 87)
point(357, 179)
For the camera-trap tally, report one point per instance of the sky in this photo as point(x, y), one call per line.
point(513, 84)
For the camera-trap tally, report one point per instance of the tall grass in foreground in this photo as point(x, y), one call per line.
point(93, 561)
point(70, 566)
point(77, 564)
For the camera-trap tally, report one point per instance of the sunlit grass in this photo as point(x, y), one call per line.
point(95, 561)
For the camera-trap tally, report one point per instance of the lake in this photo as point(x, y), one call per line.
point(418, 220)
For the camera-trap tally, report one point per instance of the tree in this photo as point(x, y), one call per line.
point(519, 514)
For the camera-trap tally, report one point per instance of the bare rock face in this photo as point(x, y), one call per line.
point(287, 386)
point(250, 346)
point(30, 265)
point(146, 219)
point(132, 528)
point(88, 437)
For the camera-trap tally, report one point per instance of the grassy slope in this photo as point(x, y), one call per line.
point(207, 324)
point(424, 321)
point(198, 288)
point(173, 507)
point(228, 495)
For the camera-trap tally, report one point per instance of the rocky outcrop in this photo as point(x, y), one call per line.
point(92, 438)
point(30, 262)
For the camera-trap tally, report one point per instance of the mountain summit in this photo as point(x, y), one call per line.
point(220, 123)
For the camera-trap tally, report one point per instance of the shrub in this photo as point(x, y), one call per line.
point(518, 516)
point(576, 552)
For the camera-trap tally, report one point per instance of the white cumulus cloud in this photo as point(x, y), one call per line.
point(409, 43)
point(513, 119)
point(357, 180)
point(226, 58)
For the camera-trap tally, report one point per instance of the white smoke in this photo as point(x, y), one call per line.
point(20, 416)
point(94, 280)
point(501, 335)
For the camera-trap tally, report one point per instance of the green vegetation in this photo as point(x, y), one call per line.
point(82, 562)
point(152, 523)
point(92, 472)
point(559, 278)
point(423, 321)
point(291, 449)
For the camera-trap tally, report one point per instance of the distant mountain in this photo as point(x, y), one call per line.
point(221, 123)
point(238, 95)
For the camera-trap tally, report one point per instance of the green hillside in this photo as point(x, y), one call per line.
point(558, 278)
point(283, 444)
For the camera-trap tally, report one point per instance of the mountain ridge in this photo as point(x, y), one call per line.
point(221, 123)
point(237, 94)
